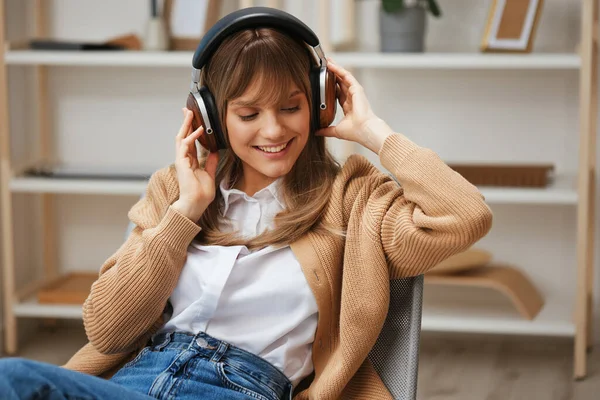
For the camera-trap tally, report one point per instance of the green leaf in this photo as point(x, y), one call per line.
point(392, 6)
point(434, 8)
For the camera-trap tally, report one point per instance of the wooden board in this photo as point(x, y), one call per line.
point(73, 288)
point(514, 175)
point(467, 260)
point(507, 280)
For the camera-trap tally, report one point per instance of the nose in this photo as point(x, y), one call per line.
point(272, 127)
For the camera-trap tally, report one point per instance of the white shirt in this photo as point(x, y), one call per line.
point(259, 301)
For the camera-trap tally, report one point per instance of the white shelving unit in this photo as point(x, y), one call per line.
point(348, 60)
point(443, 317)
point(77, 186)
point(555, 319)
point(31, 308)
point(563, 191)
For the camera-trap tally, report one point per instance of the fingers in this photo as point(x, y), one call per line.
point(185, 144)
point(193, 136)
point(183, 140)
point(342, 94)
point(330, 131)
point(211, 164)
point(345, 77)
point(186, 125)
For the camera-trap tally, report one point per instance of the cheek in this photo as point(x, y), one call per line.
point(238, 133)
point(303, 125)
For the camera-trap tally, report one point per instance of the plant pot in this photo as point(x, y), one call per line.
point(403, 31)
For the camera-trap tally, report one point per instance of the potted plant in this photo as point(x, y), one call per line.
point(403, 24)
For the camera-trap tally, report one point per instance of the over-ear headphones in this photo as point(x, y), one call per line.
point(201, 102)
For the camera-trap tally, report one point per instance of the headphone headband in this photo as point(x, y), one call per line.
point(248, 18)
point(200, 100)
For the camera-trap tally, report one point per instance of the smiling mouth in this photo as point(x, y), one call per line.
point(274, 149)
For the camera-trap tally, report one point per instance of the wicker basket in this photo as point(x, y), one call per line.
point(519, 175)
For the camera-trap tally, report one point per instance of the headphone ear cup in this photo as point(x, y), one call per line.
point(207, 141)
point(328, 115)
point(323, 118)
point(315, 90)
point(211, 110)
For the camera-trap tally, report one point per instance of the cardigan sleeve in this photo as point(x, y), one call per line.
point(135, 283)
point(432, 214)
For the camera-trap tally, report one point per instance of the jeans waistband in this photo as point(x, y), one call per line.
point(220, 351)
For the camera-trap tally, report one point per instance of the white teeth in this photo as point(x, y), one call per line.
point(273, 149)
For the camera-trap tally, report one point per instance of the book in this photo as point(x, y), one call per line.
point(52, 44)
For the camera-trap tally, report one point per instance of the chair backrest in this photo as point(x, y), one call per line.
point(395, 355)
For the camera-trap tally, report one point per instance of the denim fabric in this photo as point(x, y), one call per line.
point(183, 366)
point(28, 380)
point(174, 366)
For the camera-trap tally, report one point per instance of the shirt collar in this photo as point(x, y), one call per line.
point(231, 195)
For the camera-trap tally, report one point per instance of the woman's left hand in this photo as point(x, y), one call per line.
point(359, 118)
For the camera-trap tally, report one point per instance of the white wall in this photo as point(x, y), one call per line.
point(128, 117)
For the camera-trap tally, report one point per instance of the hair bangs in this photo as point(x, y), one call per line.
point(265, 64)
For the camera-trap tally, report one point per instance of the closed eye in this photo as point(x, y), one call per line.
point(252, 116)
point(248, 117)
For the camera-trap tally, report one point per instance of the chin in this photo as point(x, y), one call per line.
point(275, 171)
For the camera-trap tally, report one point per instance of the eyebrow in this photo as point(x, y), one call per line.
point(250, 103)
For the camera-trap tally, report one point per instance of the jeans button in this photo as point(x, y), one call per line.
point(201, 342)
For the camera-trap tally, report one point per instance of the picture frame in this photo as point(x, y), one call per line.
point(186, 21)
point(511, 25)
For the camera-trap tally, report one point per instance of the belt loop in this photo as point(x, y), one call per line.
point(218, 354)
point(164, 342)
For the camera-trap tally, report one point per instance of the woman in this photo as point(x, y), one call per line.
point(263, 271)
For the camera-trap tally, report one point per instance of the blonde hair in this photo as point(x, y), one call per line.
point(247, 57)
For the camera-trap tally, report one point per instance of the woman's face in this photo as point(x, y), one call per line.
point(267, 138)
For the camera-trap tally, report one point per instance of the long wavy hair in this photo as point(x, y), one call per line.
point(266, 55)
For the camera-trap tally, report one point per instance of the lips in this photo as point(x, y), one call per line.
point(274, 149)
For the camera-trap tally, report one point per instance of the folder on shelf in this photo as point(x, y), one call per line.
point(50, 44)
point(65, 171)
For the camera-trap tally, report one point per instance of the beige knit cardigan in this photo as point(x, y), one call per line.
point(392, 232)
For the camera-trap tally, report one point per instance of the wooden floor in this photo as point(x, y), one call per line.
point(452, 367)
point(503, 368)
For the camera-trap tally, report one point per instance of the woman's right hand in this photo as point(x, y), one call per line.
point(196, 185)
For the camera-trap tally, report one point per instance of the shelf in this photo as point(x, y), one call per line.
point(479, 316)
point(78, 186)
point(558, 61)
point(32, 308)
point(458, 60)
point(100, 58)
point(562, 191)
point(456, 309)
point(61, 297)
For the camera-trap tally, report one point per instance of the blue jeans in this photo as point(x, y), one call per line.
point(174, 366)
